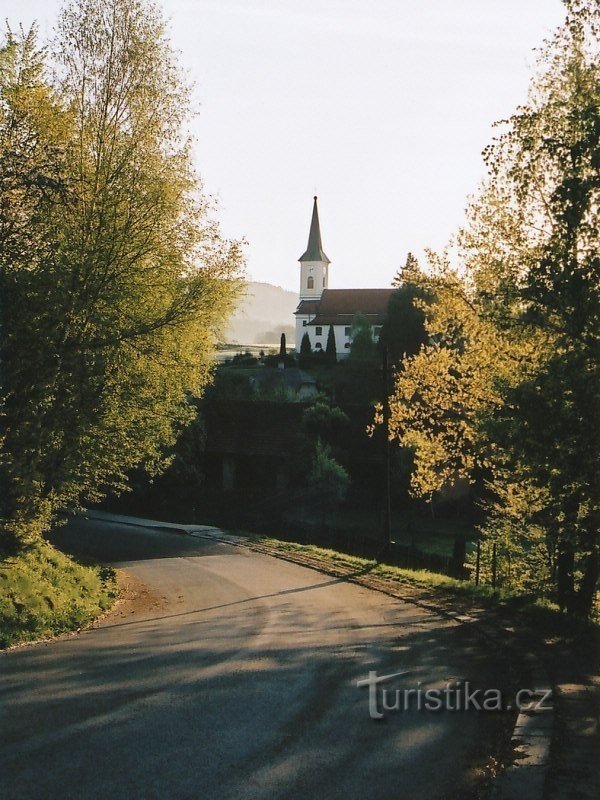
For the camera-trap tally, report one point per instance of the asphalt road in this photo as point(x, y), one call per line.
point(234, 676)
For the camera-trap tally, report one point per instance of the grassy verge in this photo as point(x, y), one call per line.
point(44, 593)
point(458, 595)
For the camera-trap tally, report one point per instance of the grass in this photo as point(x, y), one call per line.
point(458, 593)
point(44, 593)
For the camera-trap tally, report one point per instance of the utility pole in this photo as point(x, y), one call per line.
point(387, 508)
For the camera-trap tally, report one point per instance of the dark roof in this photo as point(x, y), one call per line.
point(345, 319)
point(339, 306)
point(349, 301)
point(307, 307)
point(269, 379)
point(314, 250)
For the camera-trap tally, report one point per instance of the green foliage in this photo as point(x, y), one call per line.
point(363, 351)
point(326, 423)
point(305, 348)
point(305, 357)
point(115, 278)
point(229, 384)
point(508, 389)
point(403, 332)
point(327, 480)
point(243, 360)
point(44, 593)
point(330, 349)
point(273, 361)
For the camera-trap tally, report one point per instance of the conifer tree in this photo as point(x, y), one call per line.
point(330, 350)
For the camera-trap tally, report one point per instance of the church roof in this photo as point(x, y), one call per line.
point(339, 306)
point(307, 307)
point(314, 250)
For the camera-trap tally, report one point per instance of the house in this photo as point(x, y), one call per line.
point(320, 306)
point(291, 382)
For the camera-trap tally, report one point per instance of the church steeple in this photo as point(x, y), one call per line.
point(314, 250)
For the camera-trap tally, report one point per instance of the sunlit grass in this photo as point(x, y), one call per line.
point(462, 593)
point(44, 593)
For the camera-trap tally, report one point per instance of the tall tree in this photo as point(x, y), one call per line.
point(331, 349)
point(114, 303)
point(509, 387)
point(305, 352)
point(403, 332)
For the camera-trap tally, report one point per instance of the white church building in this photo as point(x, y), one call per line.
point(320, 306)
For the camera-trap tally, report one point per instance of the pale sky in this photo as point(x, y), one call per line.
point(380, 107)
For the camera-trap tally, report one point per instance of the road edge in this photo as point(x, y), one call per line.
point(531, 739)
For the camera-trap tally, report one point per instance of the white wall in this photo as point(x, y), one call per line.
point(320, 274)
point(341, 337)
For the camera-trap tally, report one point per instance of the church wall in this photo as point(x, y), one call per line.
point(316, 270)
point(342, 337)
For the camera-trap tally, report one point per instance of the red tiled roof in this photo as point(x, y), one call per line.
point(339, 306)
point(345, 319)
point(351, 301)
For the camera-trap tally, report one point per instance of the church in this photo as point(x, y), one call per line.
point(320, 306)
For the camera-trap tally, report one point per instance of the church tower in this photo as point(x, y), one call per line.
point(314, 264)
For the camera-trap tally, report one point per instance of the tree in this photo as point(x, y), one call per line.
point(306, 352)
point(508, 390)
point(330, 349)
point(363, 351)
point(115, 275)
point(282, 347)
point(328, 480)
point(326, 423)
point(403, 332)
point(408, 272)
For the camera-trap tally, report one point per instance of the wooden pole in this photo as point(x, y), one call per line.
point(387, 511)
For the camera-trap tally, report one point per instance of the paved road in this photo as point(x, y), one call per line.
point(236, 678)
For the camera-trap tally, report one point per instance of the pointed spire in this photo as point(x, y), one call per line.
point(314, 251)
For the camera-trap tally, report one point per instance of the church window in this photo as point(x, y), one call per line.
point(305, 322)
point(310, 283)
point(347, 345)
point(319, 330)
point(347, 331)
point(318, 346)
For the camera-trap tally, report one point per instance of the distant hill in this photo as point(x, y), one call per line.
point(265, 312)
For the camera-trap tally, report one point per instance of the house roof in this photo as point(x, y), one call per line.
point(339, 306)
point(314, 250)
point(292, 377)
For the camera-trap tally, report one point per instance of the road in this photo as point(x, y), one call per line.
point(234, 676)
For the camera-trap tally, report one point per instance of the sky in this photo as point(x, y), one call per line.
point(380, 107)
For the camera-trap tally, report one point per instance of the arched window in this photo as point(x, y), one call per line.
point(310, 283)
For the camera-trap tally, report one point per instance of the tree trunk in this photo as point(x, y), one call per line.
point(564, 575)
point(586, 592)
